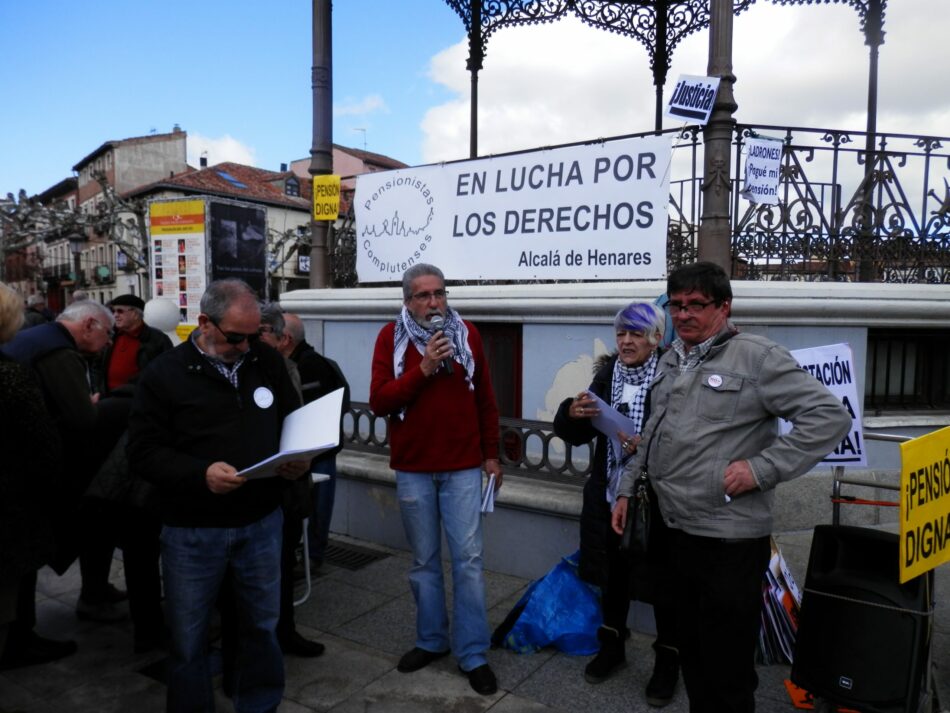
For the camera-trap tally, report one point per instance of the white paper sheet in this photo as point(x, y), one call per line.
point(610, 420)
point(488, 497)
point(307, 432)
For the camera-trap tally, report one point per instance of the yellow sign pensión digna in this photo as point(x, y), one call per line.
point(326, 197)
point(925, 503)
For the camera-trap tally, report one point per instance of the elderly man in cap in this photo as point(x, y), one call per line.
point(128, 523)
point(134, 345)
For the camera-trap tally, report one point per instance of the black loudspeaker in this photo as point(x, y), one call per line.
point(863, 638)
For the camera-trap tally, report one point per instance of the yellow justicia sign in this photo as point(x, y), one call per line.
point(925, 503)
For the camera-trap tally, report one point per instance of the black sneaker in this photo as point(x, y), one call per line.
point(418, 658)
point(482, 680)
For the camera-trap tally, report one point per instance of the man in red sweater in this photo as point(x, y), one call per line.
point(431, 379)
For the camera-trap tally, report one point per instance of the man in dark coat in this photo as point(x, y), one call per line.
point(206, 410)
point(319, 376)
point(55, 353)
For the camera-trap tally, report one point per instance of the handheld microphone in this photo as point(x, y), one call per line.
point(437, 321)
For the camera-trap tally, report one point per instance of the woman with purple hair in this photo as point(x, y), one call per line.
point(623, 380)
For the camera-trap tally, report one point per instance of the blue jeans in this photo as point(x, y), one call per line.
point(195, 561)
point(453, 500)
point(324, 493)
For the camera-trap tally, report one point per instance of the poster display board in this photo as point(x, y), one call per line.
point(593, 211)
point(177, 253)
point(238, 243)
point(194, 241)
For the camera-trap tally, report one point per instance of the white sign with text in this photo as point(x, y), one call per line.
point(692, 99)
point(597, 211)
point(833, 366)
point(763, 161)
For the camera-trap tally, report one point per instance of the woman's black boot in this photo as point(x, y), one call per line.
point(612, 656)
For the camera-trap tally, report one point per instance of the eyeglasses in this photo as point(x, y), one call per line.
point(690, 308)
point(426, 296)
point(235, 338)
point(265, 329)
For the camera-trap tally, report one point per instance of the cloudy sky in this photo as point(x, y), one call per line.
point(236, 76)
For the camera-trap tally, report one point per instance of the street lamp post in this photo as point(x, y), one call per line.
point(76, 243)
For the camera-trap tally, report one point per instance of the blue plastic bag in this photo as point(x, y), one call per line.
point(558, 610)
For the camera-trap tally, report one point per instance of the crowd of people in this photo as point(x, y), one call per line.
point(124, 440)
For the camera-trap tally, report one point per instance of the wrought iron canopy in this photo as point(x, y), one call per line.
point(659, 25)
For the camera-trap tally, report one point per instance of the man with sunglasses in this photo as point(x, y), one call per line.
point(202, 412)
point(430, 377)
point(714, 455)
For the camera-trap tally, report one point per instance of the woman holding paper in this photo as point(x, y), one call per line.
point(621, 381)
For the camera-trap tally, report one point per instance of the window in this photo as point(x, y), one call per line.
point(502, 344)
point(907, 370)
point(292, 187)
point(231, 179)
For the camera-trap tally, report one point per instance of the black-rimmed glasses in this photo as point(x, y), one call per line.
point(690, 308)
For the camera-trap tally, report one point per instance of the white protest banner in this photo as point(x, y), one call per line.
point(763, 160)
point(692, 99)
point(833, 366)
point(597, 211)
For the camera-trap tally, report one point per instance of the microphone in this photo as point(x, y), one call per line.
point(437, 321)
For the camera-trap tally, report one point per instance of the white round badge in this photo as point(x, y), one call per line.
point(263, 397)
point(715, 381)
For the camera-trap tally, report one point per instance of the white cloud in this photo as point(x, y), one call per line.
point(225, 148)
point(360, 107)
point(795, 66)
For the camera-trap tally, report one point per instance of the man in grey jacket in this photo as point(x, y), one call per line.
point(714, 456)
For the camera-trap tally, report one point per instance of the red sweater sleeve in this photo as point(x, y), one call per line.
point(436, 423)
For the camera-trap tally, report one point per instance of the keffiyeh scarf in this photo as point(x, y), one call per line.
point(408, 330)
point(639, 377)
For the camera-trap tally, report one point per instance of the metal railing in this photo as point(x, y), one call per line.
point(527, 448)
point(839, 478)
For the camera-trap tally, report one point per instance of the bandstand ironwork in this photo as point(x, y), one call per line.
point(854, 206)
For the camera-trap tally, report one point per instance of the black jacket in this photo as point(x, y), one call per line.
point(595, 512)
point(151, 343)
point(318, 377)
point(31, 452)
point(186, 416)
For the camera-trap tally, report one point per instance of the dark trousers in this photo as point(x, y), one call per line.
point(718, 593)
point(651, 581)
point(140, 531)
point(21, 628)
point(97, 536)
point(293, 529)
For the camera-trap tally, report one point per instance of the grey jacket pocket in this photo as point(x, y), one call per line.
point(719, 397)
